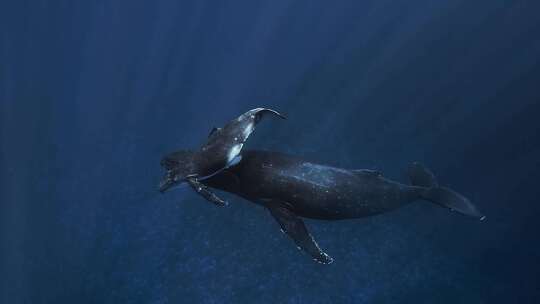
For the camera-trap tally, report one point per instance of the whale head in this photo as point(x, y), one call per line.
point(224, 144)
point(222, 149)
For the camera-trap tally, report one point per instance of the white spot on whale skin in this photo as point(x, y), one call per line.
point(235, 150)
point(234, 161)
point(247, 131)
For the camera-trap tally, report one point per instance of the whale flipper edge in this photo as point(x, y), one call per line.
point(295, 228)
point(205, 192)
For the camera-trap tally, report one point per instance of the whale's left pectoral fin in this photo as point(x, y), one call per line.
point(205, 192)
point(294, 227)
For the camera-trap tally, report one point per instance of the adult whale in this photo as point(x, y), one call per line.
point(292, 188)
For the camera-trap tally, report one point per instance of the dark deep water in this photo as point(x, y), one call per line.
point(93, 93)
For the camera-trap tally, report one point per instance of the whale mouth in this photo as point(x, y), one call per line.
point(165, 185)
point(169, 180)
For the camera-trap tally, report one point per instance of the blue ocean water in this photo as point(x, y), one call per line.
point(94, 93)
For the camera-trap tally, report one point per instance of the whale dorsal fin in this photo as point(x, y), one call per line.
point(214, 130)
point(295, 228)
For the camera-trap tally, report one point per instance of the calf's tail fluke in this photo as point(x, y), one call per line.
point(420, 176)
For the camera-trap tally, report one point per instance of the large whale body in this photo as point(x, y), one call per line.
point(292, 188)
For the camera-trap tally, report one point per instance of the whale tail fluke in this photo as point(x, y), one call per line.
point(420, 176)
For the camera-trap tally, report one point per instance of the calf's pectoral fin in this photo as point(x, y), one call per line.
point(295, 228)
point(205, 191)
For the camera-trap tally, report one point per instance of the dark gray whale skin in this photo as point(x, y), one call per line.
point(311, 190)
point(317, 191)
point(292, 188)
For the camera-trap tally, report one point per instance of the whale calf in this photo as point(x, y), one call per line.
point(292, 188)
point(221, 150)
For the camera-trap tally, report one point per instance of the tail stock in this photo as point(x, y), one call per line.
point(420, 176)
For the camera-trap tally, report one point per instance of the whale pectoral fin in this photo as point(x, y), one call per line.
point(205, 192)
point(296, 229)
